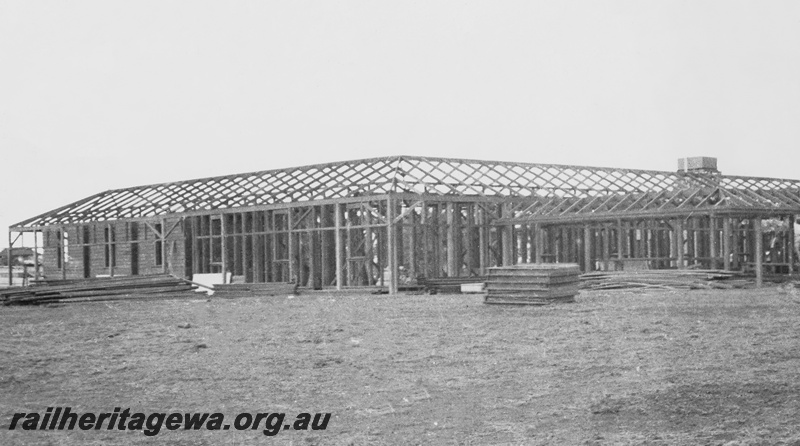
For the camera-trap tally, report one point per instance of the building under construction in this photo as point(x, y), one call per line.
point(388, 221)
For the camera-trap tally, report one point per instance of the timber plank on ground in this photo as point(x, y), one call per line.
point(102, 288)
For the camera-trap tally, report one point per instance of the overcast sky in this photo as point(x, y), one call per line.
point(96, 95)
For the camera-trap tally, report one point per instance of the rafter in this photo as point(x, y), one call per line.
point(546, 190)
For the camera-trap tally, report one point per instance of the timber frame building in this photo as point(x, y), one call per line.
point(386, 221)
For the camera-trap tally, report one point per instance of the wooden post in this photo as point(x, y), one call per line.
point(327, 261)
point(679, 242)
point(251, 226)
point(483, 241)
point(606, 245)
point(452, 249)
point(195, 245)
point(641, 231)
point(558, 243)
point(163, 234)
point(236, 258)
point(671, 247)
point(36, 254)
point(567, 245)
point(63, 244)
point(242, 256)
point(695, 239)
point(575, 244)
point(688, 238)
point(369, 256)
point(223, 246)
point(426, 241)
point(251, 262)
point(265, 246)
point(337, 217)
point(10, 265)
point(399, 227)
point(506, 238)
point(631, 242)
point(469, 236)
point(109, 245)
point(436, 240)
point(257, 246)
point(523, 244)
point(314, 273)
point(441, 235)
point(620, 236)
point(269, 248)
point(348, 270)
point(652, 243)
point(206, 246)
point(391, 244)
point(656, 237)
point(538, 238)
point(412, 249)
point(587, 248)
point(277, 268)
point(726, 243)
point(792, 258)
point(290, 237)
point(712, 241)
point(759, 251)
point(240, 245)
point(736, 241)
point(381, 250)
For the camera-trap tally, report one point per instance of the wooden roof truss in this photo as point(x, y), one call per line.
point(539, 191)
point(688, 194)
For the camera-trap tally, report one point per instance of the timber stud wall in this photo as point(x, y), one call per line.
point(387, 221)
point(316, 244)
point(384, 242)
point(709, 242)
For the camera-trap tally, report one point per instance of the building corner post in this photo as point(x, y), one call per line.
point(8, 258)
point(759, 251)
point(391, 233)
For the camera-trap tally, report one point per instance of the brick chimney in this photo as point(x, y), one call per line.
point(698, 164)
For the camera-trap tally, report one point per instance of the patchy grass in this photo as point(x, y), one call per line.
point(699, 367)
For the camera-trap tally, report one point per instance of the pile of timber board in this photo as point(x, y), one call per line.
point(254, 289)
point(447, 285)
point(98, 289)
point(684, 279)
point(533, 283)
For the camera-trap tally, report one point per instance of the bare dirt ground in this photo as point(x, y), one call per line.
point(658, 367)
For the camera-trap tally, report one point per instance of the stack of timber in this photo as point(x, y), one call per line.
point(447, 285)
point(671, 279)
point(255, 289)
point(533, 284)
point(157, 286)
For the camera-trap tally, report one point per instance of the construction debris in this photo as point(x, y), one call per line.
point(156, 286)
point(254, 289)
point(473, 288)
point(671, 279)
point(447, 285)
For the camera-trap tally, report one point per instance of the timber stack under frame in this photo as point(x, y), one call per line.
point(386, 221)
